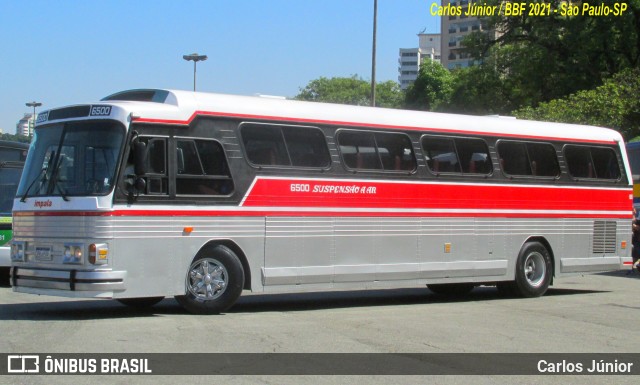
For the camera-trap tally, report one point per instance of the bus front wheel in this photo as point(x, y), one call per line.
point(213, 282)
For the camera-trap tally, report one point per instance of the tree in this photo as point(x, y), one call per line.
point(615, 104)
point(478, 90)
point(351, 90)
point(550, 57)
point(389, 94)
point(432, 89)
point(15, 138)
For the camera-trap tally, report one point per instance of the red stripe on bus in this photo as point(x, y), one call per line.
point(359, 124)
point(268, 192)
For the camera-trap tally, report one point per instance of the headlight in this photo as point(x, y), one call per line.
point(72, 254)
point(17, 251)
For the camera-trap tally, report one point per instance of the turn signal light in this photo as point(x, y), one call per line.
point(98, 253)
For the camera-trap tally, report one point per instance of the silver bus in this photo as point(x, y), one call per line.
point(154, 193)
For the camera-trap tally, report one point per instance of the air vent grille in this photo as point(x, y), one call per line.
point(604, 237)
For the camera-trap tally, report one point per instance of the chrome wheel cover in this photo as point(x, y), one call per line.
point(207, 279)
point(535, 269)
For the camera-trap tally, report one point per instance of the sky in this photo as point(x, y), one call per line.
point(77, 51)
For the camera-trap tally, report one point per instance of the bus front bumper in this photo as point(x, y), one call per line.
point(68, 280)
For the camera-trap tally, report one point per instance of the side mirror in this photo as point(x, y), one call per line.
point(140, 184)
point(139, 157)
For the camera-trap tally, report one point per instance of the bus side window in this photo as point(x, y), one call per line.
point(307, 147)
point(204, 169)
point(157, 181)
point(606, 163)
point(285, 145)
point(592, 162)
point(264, 145)
point(578, 160)
point(441, 154)
point(474, 156)
point(156, 156)
point(544, 161)
point(514, 158)
point(457, 155)
point(358, 149)
point(396, 153)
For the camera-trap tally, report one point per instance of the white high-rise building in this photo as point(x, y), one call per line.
point(24, 125)
point(411, 58)
point(453, 30)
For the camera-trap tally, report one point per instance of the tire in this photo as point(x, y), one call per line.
point(533, 270)
point(451, 289)
point(5, 276)
point(140, 302)
point(213, 282)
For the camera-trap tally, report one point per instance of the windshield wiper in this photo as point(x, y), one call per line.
point(43, 171)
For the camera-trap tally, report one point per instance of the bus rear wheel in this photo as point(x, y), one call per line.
point(533, 271)
point(213, 282)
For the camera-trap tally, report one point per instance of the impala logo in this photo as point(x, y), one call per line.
point(41, 204)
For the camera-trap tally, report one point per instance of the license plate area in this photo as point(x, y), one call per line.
point(43, 253)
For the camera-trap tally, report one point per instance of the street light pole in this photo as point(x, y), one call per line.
point(195, 58)
point(33, 104)
point(373, 54)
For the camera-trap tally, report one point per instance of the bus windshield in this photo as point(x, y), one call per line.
point(72, 159)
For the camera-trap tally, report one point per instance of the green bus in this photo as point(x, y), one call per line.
point(12, 157)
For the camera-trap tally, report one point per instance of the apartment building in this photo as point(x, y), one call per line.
point(453, 29)
point(24, 125)
point(410, 58)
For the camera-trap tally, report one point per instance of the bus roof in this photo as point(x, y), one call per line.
point(14, 144)
point(181, 107)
